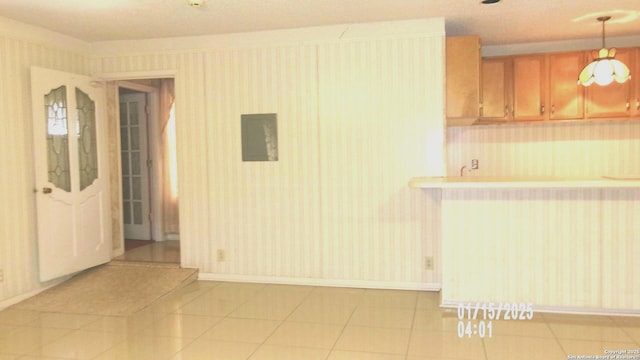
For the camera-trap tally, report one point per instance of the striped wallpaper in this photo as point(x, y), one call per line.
point(554, 248)
point(564, 149)
point(18, 252)
point(355, 122)
point(380, 113)
point(264, 215)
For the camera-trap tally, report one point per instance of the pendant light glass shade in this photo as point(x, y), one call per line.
point(605, 68)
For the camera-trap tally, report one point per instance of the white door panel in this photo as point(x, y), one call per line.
point(72, 174)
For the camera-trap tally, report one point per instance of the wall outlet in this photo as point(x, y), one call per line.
point(222, 255)
point(475, 164)
point(428, 263)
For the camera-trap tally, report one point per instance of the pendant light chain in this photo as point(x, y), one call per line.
point(603, 19)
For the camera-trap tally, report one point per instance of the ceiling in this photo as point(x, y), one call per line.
point(507, 22)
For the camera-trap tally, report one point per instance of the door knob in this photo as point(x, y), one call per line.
point(47, 190)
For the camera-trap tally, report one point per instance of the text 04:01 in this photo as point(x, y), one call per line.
point(491, 311)
point(472, 328)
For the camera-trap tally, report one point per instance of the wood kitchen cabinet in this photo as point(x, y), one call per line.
point(530, 87)
point(514, 88)
point(462, 79)
point(544, 87)
point(566, 96)
point(635, 78)
point(615, 99)
point(496, 89)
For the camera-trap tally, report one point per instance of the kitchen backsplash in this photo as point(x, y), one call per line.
point(562, 149)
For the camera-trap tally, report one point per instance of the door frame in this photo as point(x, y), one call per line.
point(152, 134)
point(122, 79)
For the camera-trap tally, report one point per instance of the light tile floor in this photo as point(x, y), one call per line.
point(160, 251)
point(214, 320)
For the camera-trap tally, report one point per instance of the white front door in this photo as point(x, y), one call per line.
point(71, 173)
point(135, 172)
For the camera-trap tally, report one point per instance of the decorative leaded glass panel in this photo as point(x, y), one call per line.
point(87, 149)
point(57, 138)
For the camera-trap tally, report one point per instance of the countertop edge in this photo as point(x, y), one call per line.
point(521, 182)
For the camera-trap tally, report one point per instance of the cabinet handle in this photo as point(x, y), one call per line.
point(637, 104)
point(506, 111)
point(553, 109)
point(542, 109)
point(628, 105)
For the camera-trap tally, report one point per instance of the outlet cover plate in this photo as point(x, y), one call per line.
point(428, 263)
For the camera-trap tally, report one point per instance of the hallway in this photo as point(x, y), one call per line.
point(160, 251)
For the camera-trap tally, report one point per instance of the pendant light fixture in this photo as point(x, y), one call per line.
point(604, 68)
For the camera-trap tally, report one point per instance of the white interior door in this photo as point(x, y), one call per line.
point(135, 172)
point(72, 173)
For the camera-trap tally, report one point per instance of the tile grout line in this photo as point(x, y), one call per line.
point(222, 318)
point(413, 321)
point(345, 326)
point(281, 322)
point(227, 316)
point(176, 312)
point(555, 336)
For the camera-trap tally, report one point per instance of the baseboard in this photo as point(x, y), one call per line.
point(172, 236)
point(562, 310)
point(367, 284)
point(16, 299)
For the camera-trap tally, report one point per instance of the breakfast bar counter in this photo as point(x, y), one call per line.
point(567, 244)
point(523, 182)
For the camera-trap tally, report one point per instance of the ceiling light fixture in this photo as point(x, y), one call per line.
point(604, 68)
point(195, 3)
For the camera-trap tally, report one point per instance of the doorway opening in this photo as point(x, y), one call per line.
point(148, 170)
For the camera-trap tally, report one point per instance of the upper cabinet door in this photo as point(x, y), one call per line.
point(496, 89)
point(529, 87)
point(463, 77)
point(635, 79)
point(566, 96)
point(613, 100)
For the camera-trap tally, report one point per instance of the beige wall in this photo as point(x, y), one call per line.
point(21, 47)
point(581, 148)
point(357, 117)
point(554, 248)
